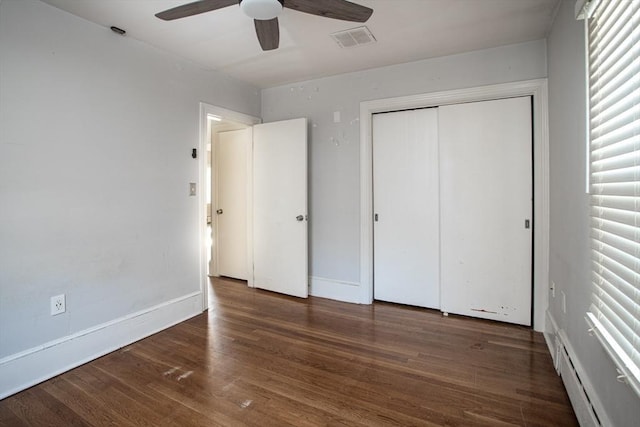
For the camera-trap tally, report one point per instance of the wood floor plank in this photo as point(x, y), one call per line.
point(262, 359)
point(35, 407)
point(90, 409)
point(9, 418)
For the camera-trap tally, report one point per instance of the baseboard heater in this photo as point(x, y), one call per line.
point(578, 388)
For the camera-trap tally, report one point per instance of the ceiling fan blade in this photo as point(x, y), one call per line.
point(336, 9)
point(268, 33)
point(195, 8)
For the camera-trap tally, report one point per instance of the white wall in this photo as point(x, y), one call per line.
point(569, 250)
point(334, 200)
point(96, 132)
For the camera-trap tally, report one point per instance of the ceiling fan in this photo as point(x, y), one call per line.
point(265, 13)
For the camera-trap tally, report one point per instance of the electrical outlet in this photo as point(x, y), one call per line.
point(564, 302)
point(552, 288)
point(58, 305)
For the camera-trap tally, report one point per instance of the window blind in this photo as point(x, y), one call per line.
point(613, 48)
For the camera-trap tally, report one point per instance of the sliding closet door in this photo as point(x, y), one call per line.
point(486, 209)
point(405, 181)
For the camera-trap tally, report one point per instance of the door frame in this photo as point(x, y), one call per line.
point(205, 138)
point(537, 89)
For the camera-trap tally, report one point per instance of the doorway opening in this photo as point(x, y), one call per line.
point(228, 198)
point(215, 121)
point(276, 187)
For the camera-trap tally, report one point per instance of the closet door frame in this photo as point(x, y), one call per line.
point(537, 89)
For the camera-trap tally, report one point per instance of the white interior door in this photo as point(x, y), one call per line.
point(406, 222)
point(485, 206)
point(231, 207)
point(280, 207)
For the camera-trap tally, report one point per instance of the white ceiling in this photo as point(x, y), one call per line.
point(406, 30)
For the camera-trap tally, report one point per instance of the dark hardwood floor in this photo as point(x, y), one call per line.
point(263, 359)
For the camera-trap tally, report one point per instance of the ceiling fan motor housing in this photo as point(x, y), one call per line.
point(262, 9)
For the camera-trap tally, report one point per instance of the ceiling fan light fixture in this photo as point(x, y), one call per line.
point(261, 9)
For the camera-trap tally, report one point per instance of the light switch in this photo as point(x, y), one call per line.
point(336, 117)
point(192, 188)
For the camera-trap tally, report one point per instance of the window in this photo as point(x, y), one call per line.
point(613, 49)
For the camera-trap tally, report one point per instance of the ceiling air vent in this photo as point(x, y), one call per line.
point(353, 37)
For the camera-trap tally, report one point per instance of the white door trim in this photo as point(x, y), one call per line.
point(535, 88)
point(205, 138)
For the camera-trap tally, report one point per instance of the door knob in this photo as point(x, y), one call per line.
point(219, 211)
point(300, 218)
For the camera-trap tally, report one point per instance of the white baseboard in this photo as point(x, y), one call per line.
point(551, 338)
point(584, 400)
point(30, 367)
point(335, 289)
